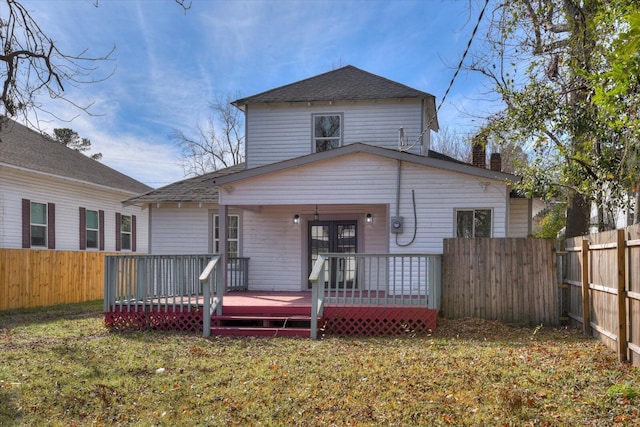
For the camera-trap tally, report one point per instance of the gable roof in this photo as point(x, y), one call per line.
point(344, 84)
point(434, 160)
point(187, 190)
point(23, 148)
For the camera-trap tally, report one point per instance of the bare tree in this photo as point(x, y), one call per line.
point(452, 144)
point(218, 145)
point(31, 65)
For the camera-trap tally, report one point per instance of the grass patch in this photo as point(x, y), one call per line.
point(61, 367)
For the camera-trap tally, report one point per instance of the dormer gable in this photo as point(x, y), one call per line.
point(340, 107)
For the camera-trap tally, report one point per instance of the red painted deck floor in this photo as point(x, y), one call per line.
point(282, 312)
point(274, 303)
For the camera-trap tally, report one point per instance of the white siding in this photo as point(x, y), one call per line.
point(68, 197)
point(277, 247)
point(519, 218)
point(180, 231)
point(371, 180)
point(281, 132)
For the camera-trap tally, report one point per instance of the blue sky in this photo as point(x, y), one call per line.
point(169, 65)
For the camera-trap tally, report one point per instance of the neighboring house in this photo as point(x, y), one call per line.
point(339, 162)
point(53, 197)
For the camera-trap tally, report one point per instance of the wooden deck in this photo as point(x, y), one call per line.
point(252, 313)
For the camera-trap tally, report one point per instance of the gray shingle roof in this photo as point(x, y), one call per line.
point(347, 84)
point(188, 190)
point(27, 149)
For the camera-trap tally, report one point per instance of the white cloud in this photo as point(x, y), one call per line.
point(170, 65)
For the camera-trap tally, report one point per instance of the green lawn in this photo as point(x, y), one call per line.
point(60, 366)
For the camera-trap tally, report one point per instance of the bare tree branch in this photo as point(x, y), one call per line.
point(31, 65)
point(212, 150)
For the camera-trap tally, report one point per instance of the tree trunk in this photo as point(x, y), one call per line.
point(578, 215)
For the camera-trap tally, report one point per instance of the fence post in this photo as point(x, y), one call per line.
point(622, 296)
point(586, 294)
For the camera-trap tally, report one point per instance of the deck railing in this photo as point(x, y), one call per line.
point(237, 274)
point(375, 280)
point(140, 281)
point(164, 280)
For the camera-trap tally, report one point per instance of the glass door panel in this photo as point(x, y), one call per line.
point(334, 237)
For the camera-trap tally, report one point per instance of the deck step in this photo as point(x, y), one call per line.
point(266, 325)
point(244, 331)
point(248, 317)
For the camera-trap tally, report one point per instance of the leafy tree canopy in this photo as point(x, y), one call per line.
point(567, 73)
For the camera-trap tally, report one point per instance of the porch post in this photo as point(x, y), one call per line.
point(223, 235)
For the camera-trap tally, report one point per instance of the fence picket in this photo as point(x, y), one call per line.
point(511, 280)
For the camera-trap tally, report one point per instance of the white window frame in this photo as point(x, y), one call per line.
point(473, 231)
point(45, 226)
point(315, 139)
point(236, 239)
point(124, 233)
point(88, 229)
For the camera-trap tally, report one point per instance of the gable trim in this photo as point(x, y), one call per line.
point(367, 149)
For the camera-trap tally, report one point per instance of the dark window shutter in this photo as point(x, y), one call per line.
point(101, 231)
point(83, 229)
point(118, 235)
point(133, 233)
point(26, 223)
point(51, 225)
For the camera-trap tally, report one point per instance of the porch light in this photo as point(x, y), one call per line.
point(369, 218)
point(296, 219)
point(316, 217)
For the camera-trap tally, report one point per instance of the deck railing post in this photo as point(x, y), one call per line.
point(108, 284)
point(220, 282)
point(317, 279)
point(206, 308)
point(435, 282)
point(205, 281)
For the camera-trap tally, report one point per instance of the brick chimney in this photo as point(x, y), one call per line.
point(478, 154)
point(496, 162)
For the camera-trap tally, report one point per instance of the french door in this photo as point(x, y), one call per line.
point(334, 237)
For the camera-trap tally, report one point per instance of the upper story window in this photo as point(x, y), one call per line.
point(233, 233)
point(473, 223)
point(327, 131)
point(38, 224)
point(125, 232)
point(92, 229)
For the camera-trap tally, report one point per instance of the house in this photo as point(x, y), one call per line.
point(53, 197)
point(339, 163)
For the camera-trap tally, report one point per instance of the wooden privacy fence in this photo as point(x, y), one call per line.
point(602, 276)
point(513, 280)
point(34, 278)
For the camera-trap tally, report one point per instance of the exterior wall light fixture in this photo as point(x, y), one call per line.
point(296, 219)
point(369, 218)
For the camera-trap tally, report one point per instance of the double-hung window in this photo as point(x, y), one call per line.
point(38, 224)
point(125, 232)
point(92, 229)
point(233, 233)
point(327, 131)
point(473, 223)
